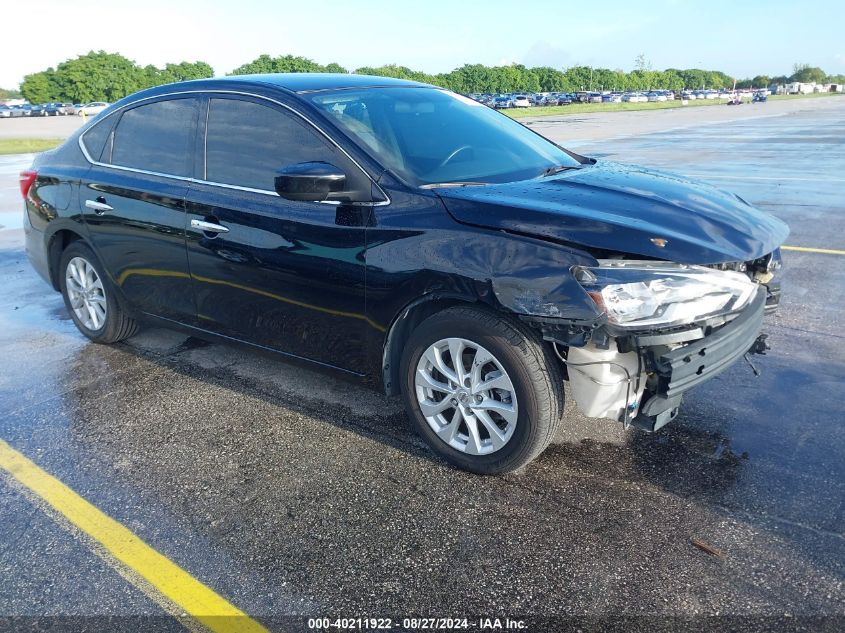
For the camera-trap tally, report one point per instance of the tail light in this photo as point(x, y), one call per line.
point(26, 179)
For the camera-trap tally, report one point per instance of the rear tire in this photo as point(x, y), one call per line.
point(482, 430)
point(90, 298)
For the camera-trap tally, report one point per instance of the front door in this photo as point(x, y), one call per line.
point(281, 274)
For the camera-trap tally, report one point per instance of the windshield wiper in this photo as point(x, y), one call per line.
point(556, 169)
point(455, 183)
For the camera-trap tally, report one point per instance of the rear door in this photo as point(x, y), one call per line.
point(282, 274)
point(133, 200)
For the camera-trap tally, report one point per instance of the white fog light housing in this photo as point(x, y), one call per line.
point(641, 294)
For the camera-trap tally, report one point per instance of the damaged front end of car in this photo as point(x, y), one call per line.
point(664, 329)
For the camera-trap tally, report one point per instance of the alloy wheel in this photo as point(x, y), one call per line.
point(86, 293)
point(466, 396)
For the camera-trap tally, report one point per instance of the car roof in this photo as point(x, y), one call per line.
point(312, 82)
point(297, 83)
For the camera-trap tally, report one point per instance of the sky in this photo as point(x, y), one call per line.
point(742, 38)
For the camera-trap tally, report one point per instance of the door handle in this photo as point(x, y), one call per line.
point(208, 227)
point(97, 206)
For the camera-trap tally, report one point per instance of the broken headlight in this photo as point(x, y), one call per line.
point(637, 294)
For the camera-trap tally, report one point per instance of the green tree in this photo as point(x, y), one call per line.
point(468, 78)
point(672, 79)
point(396, 72)
point(606, 79)
point(9, 94)
point(39, 87)
point(579, 77)
point(808, 74)
point(551, 79)
point(643, 80)
point(186, 71)
point(101, 76)
point(97, 76)
point(285, 64)
point(693, 78)
point(717, 79)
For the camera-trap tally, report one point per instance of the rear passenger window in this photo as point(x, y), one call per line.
point(157, 137)
point(248, 142)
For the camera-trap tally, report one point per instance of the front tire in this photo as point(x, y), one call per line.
point(496, 408)
point(90, 298)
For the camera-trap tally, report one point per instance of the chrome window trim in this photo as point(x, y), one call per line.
point(319, 130)
point(207, 103)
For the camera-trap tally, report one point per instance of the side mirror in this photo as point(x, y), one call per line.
point(309, 182)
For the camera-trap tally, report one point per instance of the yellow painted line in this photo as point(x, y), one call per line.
point(806, 249)
point(166, 577)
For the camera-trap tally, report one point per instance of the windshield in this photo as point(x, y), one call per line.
point(429, 136)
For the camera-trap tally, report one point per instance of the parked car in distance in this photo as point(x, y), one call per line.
point(92, 108)
point(522, 101)
point(761, 96)
point(5, 112)
point(38, 110)
point(410, 238)
point(502, 103)
point(52, 109)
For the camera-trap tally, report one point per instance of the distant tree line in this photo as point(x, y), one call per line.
point(477, 78)
point(9, 94)
point(101, 76)
point(471, 78)
point(800, 72)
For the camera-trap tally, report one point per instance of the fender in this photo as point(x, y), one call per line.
point(412, 274)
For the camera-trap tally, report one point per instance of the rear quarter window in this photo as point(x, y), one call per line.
point(95, 138)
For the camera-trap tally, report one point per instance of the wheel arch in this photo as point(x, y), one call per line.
point(56, 245)
point(400, 329)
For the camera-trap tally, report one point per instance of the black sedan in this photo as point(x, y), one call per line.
point(409, 237)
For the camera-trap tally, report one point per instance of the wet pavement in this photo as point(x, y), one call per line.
point(292, 493)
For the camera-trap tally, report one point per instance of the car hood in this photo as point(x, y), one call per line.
point(624, 209)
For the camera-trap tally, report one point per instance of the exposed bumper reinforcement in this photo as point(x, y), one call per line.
point(682, 369)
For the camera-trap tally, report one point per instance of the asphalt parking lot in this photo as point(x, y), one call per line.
point(294, 495)
point(41, 127)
